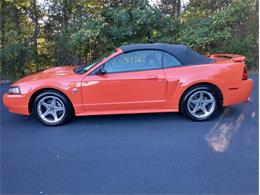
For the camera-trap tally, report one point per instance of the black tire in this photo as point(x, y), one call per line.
point(197, 89)
point(68, 110)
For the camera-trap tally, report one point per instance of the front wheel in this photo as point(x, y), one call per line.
point(200, 103)
point(52, 108)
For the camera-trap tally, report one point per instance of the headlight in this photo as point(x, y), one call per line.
point(14, 90)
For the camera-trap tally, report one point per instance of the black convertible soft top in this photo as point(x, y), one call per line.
point(184, 54)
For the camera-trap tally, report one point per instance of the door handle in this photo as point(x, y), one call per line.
point(152, 77)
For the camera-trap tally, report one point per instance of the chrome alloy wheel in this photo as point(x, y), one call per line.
point(201, 104)
point(51, 109)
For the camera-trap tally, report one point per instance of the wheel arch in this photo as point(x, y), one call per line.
point(203, 84)
point(38, 91)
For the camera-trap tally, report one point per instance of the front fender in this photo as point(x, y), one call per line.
point(72, 90)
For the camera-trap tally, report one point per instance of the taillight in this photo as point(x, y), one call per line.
point(245, 75)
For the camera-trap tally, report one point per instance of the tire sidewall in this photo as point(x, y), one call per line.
point(184, 102)
point(66, 103)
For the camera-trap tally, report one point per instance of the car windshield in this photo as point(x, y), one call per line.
point(84, 68)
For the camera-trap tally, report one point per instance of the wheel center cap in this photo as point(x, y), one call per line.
point(200, 104)
point(51, 108)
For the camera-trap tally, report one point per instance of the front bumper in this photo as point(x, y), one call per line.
point(239, 93)
point(16, 103)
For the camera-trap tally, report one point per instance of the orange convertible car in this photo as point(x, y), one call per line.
point(138, 78)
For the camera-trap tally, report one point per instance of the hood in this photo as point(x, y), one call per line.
point(49, 73)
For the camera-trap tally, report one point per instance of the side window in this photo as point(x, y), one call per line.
point(134, 61)
point(170, 61)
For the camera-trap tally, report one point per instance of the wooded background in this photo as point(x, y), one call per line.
point(37, 34)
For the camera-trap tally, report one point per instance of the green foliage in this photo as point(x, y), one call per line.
point(227, 30)
point(64, 32)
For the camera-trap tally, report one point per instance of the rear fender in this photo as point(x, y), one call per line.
point(183, 87)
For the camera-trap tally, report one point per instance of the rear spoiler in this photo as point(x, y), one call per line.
point(234, 57)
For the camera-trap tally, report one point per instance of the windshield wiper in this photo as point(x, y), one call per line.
point(79, 69)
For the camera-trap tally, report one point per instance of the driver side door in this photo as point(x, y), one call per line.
point(129, 82)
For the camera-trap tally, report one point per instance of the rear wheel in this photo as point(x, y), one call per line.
point(200, 103)
point(52, 108)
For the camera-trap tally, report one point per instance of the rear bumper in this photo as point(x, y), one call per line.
point(238, 93)
point(16, 103)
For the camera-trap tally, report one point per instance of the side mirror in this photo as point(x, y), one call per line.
point(101, 71)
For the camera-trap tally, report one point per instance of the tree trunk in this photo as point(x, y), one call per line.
point(2, 43)
point(21, 55)
point(36, 32)
point(178, 8)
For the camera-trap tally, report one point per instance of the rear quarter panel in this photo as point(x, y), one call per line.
point(224, 74)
